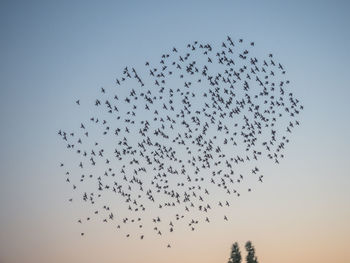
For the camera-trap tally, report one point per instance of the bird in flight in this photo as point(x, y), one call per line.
point(180, 137)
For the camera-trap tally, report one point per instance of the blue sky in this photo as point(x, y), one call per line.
point(54, 52)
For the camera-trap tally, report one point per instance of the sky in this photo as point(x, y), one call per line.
point(53, 53)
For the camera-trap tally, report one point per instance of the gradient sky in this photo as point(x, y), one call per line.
point(53, 52)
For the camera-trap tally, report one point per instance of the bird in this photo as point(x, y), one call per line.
point(171, 138)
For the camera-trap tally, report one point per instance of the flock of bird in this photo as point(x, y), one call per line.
point(180, 138)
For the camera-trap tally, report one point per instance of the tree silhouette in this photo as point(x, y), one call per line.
point(235, 254)
point(251, 258)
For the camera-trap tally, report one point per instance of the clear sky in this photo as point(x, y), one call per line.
point(53, 52)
